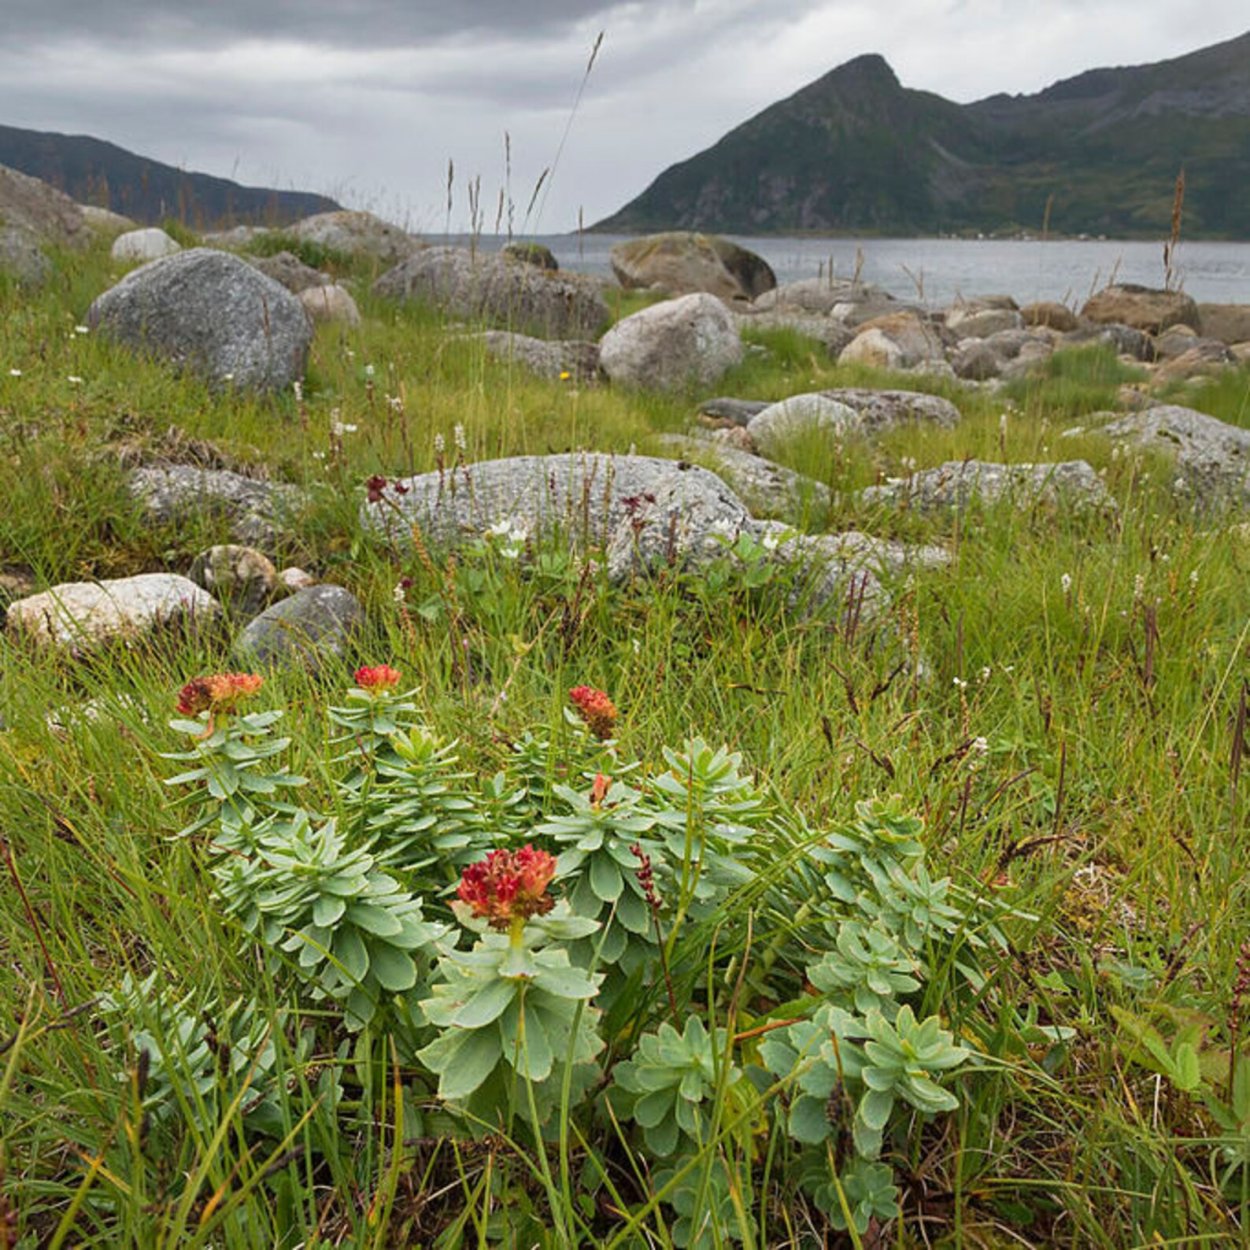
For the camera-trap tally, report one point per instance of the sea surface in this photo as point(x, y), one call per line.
point(935, 271)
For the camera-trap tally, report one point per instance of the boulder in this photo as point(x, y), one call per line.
point(682, 263)
point(311, 628)
point(959, 483)
point(1230, 323)
point(357, 233)
point(971, 322)
point(976, 361)
point(901, 340)
point(1174, 341)
point(81, 615)
point(487, 286)
point(1142, 308)
point(21, 257)
point(537, 254)
point(1029, 359)
point(820, 296)
point(870, 305)
point(1205, 358)
point(1049, 314)
point(179, 492)
point(150, 243)
point(560, 361)
point(833, 334)
point(331, 303)
point(727, 411)
point(211, 313)
point(106, 222)
point(686, 342)
point(241, 577)
point(799, 416)
point(41, 212)
point(1126, 340)
point(287, 268)
point(881, 410)
point(767, 489)
point(1212, 456)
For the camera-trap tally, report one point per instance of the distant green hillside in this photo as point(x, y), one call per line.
point(857, 151)
point(94, 172)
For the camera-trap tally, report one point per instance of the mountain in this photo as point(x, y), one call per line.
point(857, 151)
point(94, 172)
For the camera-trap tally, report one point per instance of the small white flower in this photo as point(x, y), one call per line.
point(1139, 586)
point(959, 683)
point(1065, 583)
point(339, 428)
point(1002, 425)
point(368, 371)
point(227, 377)
point(1193, 577)
point(1180, 486)
point(440, 445)
point(771, 540)
point(397, 592)
point(637, 645)
point(985, 674)
point(394, 403)
point(979, 746)
point(15, 373)
point(318, 455)
point(723, 527)
point(82, 329)
point(74, 380)
point(298, 387)
point(458, 435)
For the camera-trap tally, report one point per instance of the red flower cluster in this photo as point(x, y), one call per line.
point(596, 709)
point(217, 693)
point(378, 678)
point(508, 886)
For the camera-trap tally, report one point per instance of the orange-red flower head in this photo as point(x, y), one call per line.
point(596, 709)
point(508, 886)
point(379, 678)
point(218, 693)
point(599, 790)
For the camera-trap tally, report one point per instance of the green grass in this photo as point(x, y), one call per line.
point(1102, 660)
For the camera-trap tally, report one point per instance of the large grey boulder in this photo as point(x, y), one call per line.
point(547, 358)
point(681, 263)
point(180, 492)
point(1213, 457)
point(150, 243)
point(799, 416)
point(481, 286)
point(105, 222)
point(357, 234)
point(969, 321)
point(766, 488)
point(1230, 323)
point(211, 313)
point(1143, 308)
point(959, 483)
point(881, 410)
point(312, 628)
point(583, 495)
point(33, 217)
point(331, 303)
point(82, 615)
point(681, 343)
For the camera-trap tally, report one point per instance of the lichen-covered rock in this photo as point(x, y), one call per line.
point(357, 234)
point(537, 254)
point(1230, 323)
point(1049, 314)
point(798, 416)
point(881, 410)
point(970, 321)
point(681, 343)
point(820, 295)
point(1212, 456)
point(241, 577)
point(82, 615)
point(832, 334)
point(257, 510)
point(489, 287)
point(1142, 308)
point(211, 313)
point(582, 495)
point(330, 302)
point(682, 263)
point(312, 628)
point(287, 269)
point(902, 340)
point(150, 243)
point(959, 483)
point(546, 358)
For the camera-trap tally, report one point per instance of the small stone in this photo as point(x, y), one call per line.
point(149, 244)
point(239, 576)
point(296, 579)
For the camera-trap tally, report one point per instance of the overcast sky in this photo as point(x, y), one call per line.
point(368, 100)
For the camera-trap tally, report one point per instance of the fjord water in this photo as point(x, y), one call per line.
point(938, 270)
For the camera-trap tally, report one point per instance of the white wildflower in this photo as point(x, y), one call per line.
point(1139, 586)
point(397, 592)
point(985, 674)
point(959, 683)
point(368, 371)
point(318, 455)
point(82, 329)
point(458, 437)
point(1180, 486)
point(298, 388)
point(74, 380)
point(15, 373)
point(1193, 577)
point(637, 645)
point(1065, 583)
point(979, 746)
point(339, 428)
point(440, 445)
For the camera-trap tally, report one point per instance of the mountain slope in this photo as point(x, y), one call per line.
point(855, 150)
point(95, 172)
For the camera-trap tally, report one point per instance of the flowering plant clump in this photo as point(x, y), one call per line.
point(378, 678)
point(508, 886)
point(217, 694)
point(596, 709)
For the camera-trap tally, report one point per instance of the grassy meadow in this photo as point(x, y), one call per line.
point(1063, 706)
